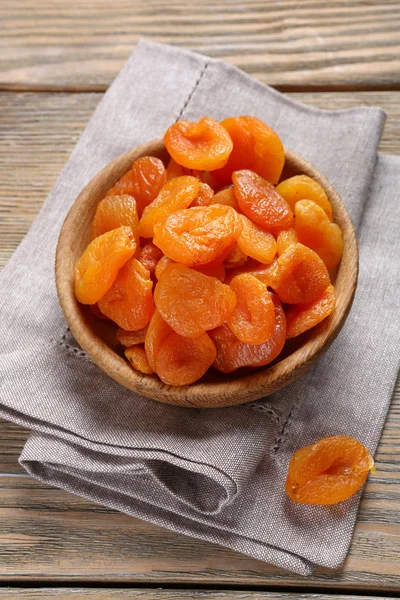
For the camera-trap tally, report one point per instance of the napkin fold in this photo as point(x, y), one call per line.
point(215, 474)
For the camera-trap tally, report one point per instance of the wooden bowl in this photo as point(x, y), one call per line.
point(97, 338)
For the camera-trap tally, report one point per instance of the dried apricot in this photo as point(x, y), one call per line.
point(181, 361)
point(144, 181)
point(129, 301)
point(174, 170)
point(315, 230)
point(236, 257)
point(329, 471)
point(301, 317)
point(255, 146)
point(162, 265)
point(217, 271)
point(113, 212)
point(98, 267)
point(149, 256)
point(265, 274)
point(131, 338)
point(286, 238)
point(256, 242)
point(138, 359)
point(227, 198)
point(233, 354)
point(157, 332)
point(97, 312)
point(204, 145)
point(302, 187)
point(205, 195)
point(260, 201)
point(198, 235)
point(191, 302)
point(253, 318)
point(301, 275)
point(174, 195)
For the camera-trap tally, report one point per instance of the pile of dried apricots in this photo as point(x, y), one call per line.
point(209, 261)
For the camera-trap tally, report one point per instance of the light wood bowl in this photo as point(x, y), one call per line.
point(97, 338)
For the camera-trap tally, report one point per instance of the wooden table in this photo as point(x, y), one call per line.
point(56, 60)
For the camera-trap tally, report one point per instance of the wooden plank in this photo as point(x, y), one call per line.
point(159, 594)
point(47, 534)
point(38, 131)
point(353, 44)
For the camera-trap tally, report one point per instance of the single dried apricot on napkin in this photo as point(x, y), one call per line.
point(131, 338)
point(233, 354)
point(260, 201)
point(315, 230)
point(256, 242)
point(286, 238)
point(157, 332)
point(198, 235)
point(226, 197)
point(204, 145)
point(174, 195)
point(329, 471)
point(301, 317)
point(98, 267)
point(181, 361)
point(255, 146)
point(138, 359)
point(205, 195)
point(236, 257)
point(113, 212)
point(302, 187)
point(144, 181)
point(150, 256)
point(253, 318)
point(191, 302)
point(301, 275)
point(129, 301)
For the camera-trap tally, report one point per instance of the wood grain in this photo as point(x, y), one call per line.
point(351, 44)
point(47, 534)
point(159, 594)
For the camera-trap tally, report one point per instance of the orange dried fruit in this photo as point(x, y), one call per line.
point(204, 145)
point(227, 198)
point(198, 235)
point(265, 274)
point(301, 317)
point(162, 265)
point(260, 201)
point(98, 267)
point(253, 318)
point(174, 195)
point(329, 471)
point(157, 332)
point(182, 361)
point(286, 238)
point(113, 212)
point(256, 242)
point(97, 312)
point(129, 301)
point(150, 256)
point(144, 181)
point(233, 354)
point(205, 195)
point(191, 302)
point(255, 146)
point(301, 275)
point(315, 230)
point(138, 359)
point(302, 187)
point(131, 338)
point(217, 271)
point(174, 170)
point(236, 257)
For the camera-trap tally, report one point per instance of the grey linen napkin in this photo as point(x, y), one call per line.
point(213, 474)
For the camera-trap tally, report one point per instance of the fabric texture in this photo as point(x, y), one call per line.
point(214, 474)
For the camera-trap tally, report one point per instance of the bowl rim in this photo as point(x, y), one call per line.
point(226, 392)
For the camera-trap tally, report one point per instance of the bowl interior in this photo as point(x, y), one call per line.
point(97, 337)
